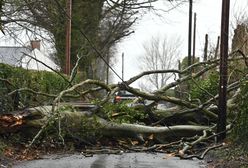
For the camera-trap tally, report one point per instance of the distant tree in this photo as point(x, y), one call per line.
point(160, 54)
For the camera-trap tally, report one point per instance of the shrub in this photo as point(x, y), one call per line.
point(203, 89)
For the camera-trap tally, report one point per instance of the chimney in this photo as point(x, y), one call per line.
point(35, 44)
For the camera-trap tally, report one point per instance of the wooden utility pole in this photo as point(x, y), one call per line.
point(190, 32)
point(107, 72)
point(194, 38)
point(205, 57)
point(122, 69)
point(221, 125)
point(68, 38)
point(217, 48)
point(179, 68)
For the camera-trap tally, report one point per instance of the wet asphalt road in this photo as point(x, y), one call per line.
point(126, 160)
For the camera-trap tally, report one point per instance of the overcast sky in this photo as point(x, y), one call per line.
point(175, 23)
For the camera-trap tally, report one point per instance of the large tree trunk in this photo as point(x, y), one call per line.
point(36, 118)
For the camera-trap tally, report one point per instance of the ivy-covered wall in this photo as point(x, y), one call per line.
point(241, 126)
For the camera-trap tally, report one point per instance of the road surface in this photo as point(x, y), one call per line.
point(126, 160)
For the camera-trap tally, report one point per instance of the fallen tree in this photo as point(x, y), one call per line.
point(35, 120)
point(37, 117)
point(189, 122)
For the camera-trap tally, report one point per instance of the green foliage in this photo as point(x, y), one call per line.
point(170, 92)
point(71, 126)
point(89, 128)
point(2, 147)
point(123, 113)
point(241, 128)
point(202, 89)
point(184, 63)
point(40, 81)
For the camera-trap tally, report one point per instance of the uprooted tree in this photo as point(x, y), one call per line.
point(189, 123)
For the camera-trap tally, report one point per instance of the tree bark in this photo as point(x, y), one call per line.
point(36, 118)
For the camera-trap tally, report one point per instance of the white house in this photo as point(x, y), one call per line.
point(24, 57)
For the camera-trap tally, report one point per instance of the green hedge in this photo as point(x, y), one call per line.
point(42, 81)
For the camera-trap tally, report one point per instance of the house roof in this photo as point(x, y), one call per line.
point(30, 63)
point(12, 55)
point(22, 57)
